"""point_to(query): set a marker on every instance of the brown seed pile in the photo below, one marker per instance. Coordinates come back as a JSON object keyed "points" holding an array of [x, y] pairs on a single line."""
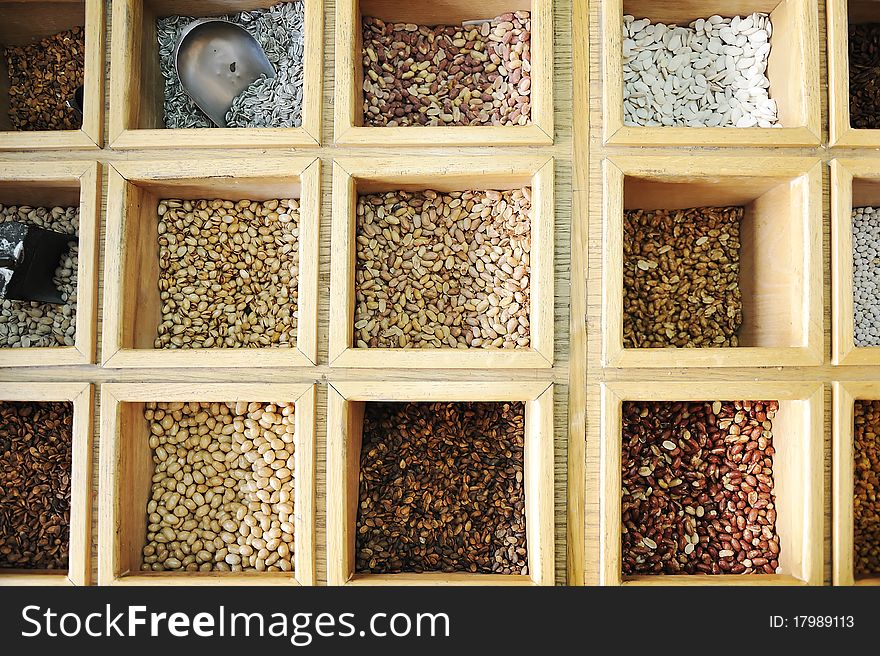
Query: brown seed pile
{"points": [[681, 277], [228, 273], [35, 469], [864, 75], [42, 78], [697, 493], [441, 489], [866, 488], [448, 74], [223, 488], [443, 269]]}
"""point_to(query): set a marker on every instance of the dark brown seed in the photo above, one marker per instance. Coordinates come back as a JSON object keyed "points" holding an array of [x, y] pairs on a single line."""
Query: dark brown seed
{"points": [[864, 75], [866, 486]]}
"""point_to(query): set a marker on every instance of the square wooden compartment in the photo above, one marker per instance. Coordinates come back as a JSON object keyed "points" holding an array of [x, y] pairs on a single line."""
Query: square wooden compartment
{"points": [[126, 470], [854, 183], [780, 255], [348, 118], [24, 22], [842, 14], [843, 435], [50, 184], [346, 402], [355, 176], [137, 87], [798, 437], [132, 306], [81, 396], [793, 71]]}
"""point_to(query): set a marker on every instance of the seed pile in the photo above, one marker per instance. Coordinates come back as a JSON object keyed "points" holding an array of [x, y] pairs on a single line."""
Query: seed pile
{"points": [[441, 489], [35, 470], [866, 275], [864, 76], [711, 73], [681, 277], [448, 74], [23, 323], [228, 273], [267, 103], [42, 78], [697, 493], [443, 269], [223, 489], [866, 488]]}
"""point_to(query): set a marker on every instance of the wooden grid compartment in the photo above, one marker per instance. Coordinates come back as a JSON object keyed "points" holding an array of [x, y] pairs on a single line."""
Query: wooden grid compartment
{"points": [[126, 470], [81, 396], [354, 176], [348, 118], [346, 403], [780, 261], [24, 22], [50, 184], [842, 453], [132, 304], [854, 183], [793, 72], [137, 88], [841, 14], [797, 465]]}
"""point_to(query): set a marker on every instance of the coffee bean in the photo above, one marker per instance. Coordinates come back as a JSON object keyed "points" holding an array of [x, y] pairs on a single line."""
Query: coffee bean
{"points": [[441, 489], [35, 472], [706, 506], [866, 485], [681, 277], [447, 74], [864, 76], [866, 275], [42, 78]]}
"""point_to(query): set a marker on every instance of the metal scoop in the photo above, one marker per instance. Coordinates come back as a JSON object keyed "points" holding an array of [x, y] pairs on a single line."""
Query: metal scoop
{"points": [[215, 61], [29, 257]]}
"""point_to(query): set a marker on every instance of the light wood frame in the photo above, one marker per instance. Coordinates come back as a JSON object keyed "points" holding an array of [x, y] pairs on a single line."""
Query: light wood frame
{"points": [[22, 22], [854, 183], [838, 13], [793, 72], [845, 394], [62, 183], [798, 437], [348, 112], [126, 469], [136, 86], [352, 176], [781, 262], [81, 396], [132, 307], [344, 425]]}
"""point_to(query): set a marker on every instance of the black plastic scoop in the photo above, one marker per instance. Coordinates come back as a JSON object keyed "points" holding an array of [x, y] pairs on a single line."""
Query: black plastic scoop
{"points": [[29, 257]]}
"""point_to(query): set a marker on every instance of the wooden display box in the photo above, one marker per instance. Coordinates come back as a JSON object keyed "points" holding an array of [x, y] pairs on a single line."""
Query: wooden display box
{"points": [[793, 71], [780, 255], [81, 396], [798, 437], [843, 433], [132, 305], [24, 22], [42, 184], [137, 86], [354, 176], [346, 403], [126, 470], [854, 183], [842, 14], [349, 110]]}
